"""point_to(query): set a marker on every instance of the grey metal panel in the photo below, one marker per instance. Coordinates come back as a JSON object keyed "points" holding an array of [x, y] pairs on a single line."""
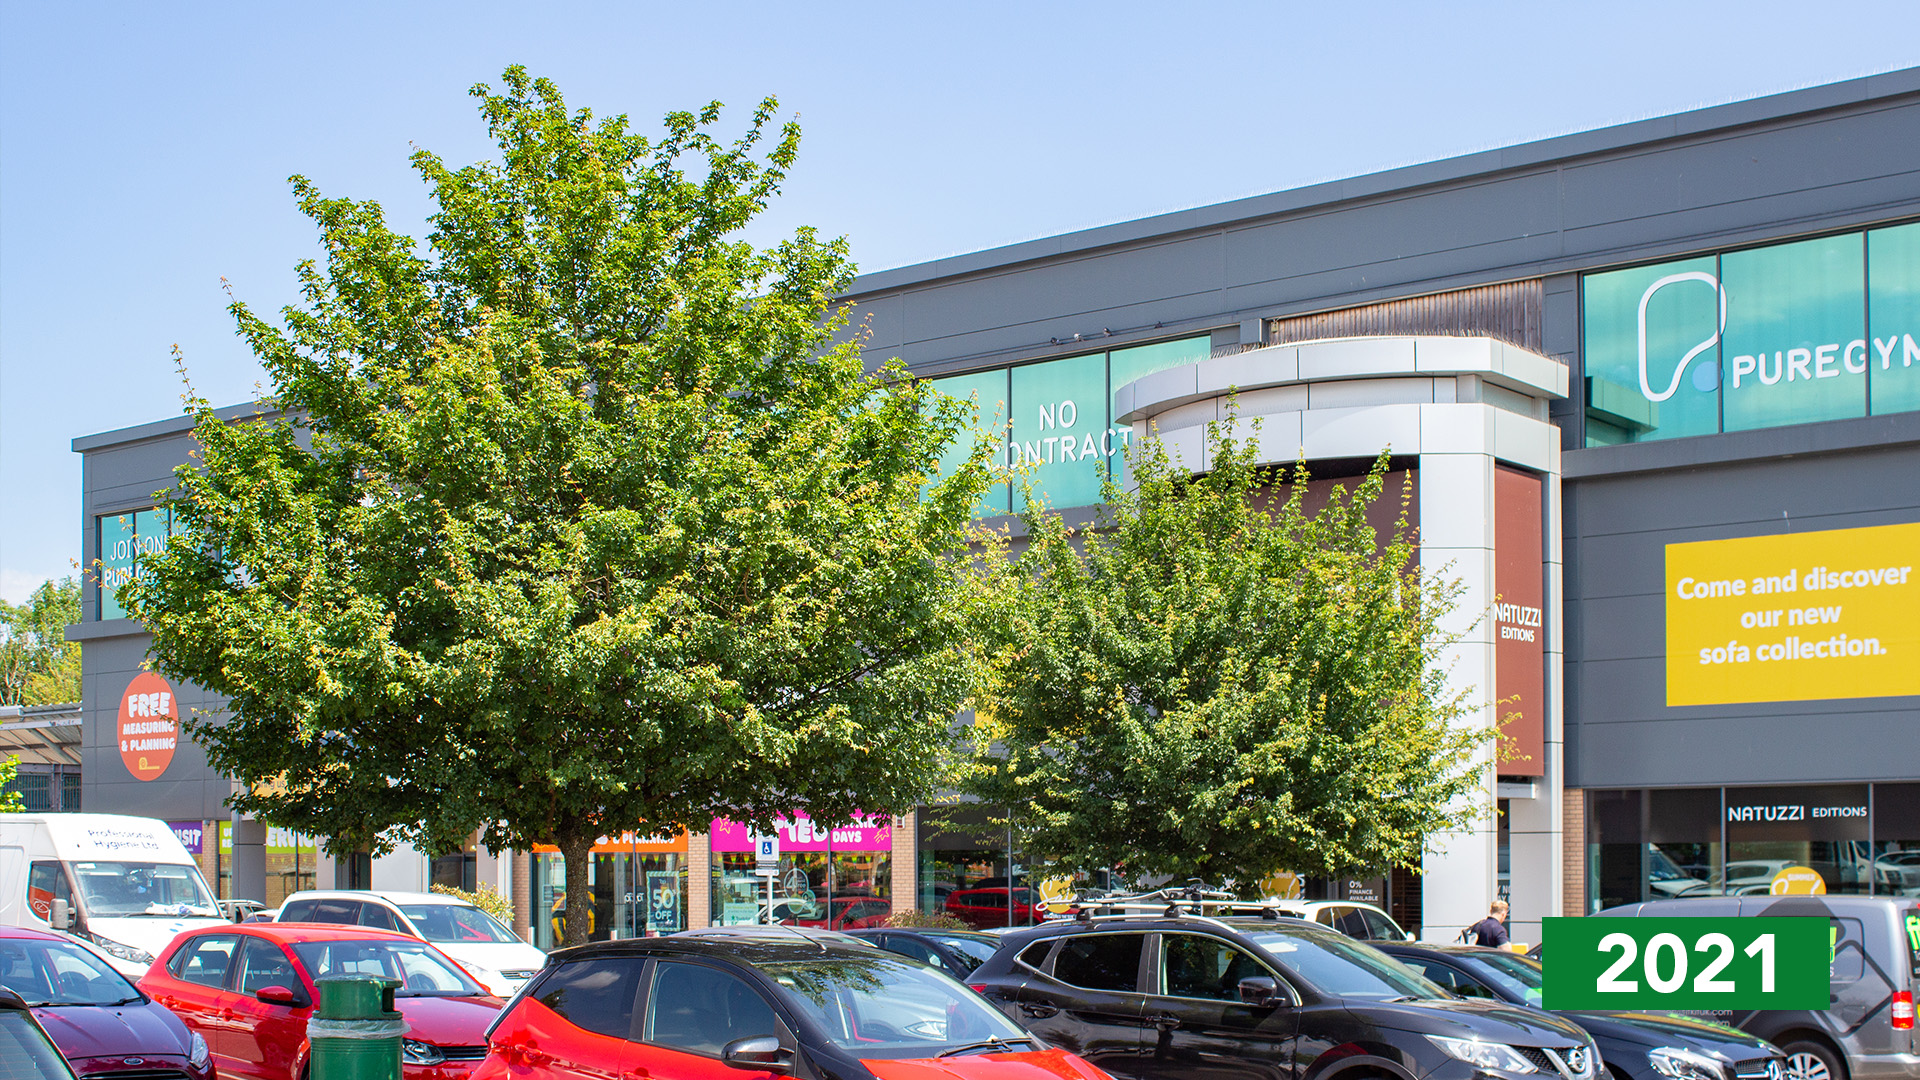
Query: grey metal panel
{"points": [[1620, 731], [188, 789], [1753, 171], [1777, 109]]}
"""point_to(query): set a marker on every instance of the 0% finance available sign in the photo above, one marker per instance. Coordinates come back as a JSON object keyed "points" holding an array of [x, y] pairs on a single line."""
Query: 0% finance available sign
{"points": [[1705, 964]]}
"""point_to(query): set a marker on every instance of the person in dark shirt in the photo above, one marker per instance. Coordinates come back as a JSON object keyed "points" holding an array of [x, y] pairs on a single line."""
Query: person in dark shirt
{"points": [[1491, 930]]}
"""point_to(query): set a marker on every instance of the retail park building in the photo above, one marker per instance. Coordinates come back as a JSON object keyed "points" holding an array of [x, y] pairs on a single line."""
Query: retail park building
{"points": [[1657, 387]]}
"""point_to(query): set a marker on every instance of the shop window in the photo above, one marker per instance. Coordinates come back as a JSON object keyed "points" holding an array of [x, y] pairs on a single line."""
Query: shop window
{"points": [[122, 539], [1792, 333], [454, 871], [1776, 834], [353, 870], [1896, 849], [631, 893], [986, 395]]}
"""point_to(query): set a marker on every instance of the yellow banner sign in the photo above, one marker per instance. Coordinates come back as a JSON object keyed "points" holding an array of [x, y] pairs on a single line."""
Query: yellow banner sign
{"points": [[1794, 618]]}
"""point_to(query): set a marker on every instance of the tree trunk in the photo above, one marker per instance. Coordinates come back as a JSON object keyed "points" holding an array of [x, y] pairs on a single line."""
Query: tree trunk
{"points": [[576, 849]]}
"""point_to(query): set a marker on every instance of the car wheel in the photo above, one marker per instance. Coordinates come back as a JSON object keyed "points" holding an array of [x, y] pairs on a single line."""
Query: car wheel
{"points": [[1812, 1061]]}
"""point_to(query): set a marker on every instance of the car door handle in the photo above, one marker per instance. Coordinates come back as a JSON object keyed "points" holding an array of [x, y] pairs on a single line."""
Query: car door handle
{"points": [[1036, 1009], [1166, 1021]]}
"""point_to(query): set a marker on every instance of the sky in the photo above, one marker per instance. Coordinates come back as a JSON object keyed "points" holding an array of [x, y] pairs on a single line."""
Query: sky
{"points": [[145, 149]]}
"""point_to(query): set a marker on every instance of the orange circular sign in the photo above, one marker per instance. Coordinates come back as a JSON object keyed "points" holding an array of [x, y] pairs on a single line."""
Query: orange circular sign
{"points": [[149, 726], [1798, 881]]}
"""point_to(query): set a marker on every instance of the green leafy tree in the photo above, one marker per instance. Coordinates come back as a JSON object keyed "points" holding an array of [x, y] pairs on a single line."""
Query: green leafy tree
{"points": [[584, 514], [1215, 682], [38, 665]]}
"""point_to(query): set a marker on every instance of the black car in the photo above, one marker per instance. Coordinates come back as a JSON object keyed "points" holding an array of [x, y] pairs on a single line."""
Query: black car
{"points": [[957, 952], [1187, 998], [25, 1049], [1635, 1046]]}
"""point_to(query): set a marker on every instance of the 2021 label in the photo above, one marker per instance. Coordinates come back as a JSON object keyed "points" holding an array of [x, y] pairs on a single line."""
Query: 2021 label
{"points": [[1705, 963]]}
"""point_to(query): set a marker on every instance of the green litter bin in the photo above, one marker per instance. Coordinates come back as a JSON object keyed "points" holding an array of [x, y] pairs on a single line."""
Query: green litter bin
{"points": [[355, 1032]]}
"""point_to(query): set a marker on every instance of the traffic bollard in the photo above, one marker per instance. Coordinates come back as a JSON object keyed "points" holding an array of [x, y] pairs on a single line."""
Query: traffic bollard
{"points": [[355, 1033]]}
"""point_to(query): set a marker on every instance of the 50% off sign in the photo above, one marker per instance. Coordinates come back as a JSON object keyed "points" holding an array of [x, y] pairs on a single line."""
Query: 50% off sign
{"points": [[1783, 962]]}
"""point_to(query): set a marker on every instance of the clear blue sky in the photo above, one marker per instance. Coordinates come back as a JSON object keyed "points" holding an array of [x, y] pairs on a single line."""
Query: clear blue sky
{"points": [[144, 148]]}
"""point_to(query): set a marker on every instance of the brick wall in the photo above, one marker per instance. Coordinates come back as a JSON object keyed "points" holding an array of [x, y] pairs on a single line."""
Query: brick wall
{"points": [[522, 895], [1573, 868], [699, 881], [906, 835]]}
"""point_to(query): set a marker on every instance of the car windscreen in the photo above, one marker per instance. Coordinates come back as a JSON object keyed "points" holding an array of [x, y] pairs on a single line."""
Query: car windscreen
{"points": [[46, 973], [418, 967], [972, 948], [25, 1051], [1517, 977], [456, 923], [1335, 964], [889, 1007], [120, 889]]}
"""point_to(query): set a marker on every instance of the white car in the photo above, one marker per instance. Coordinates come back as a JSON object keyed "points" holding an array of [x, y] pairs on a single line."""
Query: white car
{"points": [[487, 950], [1351, 917]]}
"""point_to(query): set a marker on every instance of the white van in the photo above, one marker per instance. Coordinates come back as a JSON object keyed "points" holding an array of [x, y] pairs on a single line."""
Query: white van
{"points": [[123, 884]]}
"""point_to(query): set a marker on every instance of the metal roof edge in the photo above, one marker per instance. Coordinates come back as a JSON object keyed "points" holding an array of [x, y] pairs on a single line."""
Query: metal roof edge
{"points": [[1532, 154], [173, 425]]}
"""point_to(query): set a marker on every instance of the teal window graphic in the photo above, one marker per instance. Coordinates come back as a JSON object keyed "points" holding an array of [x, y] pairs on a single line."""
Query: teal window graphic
{"points": [[1054, 419], [986, 395], [123, 539], [1792, 333]]}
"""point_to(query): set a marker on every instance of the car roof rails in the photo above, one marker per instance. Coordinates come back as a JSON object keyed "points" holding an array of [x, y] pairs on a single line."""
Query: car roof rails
{"points": [[1193, 900]]}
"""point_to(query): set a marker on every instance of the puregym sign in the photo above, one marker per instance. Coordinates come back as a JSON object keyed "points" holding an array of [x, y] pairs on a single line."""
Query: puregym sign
{"points": [[1795, 617], [1818, 329]]}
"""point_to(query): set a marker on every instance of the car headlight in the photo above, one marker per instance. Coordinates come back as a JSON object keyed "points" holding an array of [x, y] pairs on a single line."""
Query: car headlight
{"points": [[1486, 1055], [1685, 1064], [125, 952], [197, 1051], [414, 1052]]}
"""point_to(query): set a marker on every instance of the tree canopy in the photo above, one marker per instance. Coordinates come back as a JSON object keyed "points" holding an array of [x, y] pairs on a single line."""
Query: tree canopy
{"points": [[1221, 680], [38, 665], [584, 515]]}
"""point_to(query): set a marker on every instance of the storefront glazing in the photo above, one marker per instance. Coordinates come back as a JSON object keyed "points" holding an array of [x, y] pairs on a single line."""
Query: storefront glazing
{"points": [[839, 878], [1649, 844], [638, 887]]}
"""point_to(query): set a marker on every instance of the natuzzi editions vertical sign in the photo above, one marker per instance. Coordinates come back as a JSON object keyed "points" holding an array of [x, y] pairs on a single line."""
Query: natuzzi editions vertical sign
{"points": [[1794, 618]]}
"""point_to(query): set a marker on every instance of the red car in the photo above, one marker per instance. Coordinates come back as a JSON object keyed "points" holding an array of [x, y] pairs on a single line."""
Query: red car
{"points": [[982, 908], [757, 1007], [249, 989], [104, 1026], [848, 913]]}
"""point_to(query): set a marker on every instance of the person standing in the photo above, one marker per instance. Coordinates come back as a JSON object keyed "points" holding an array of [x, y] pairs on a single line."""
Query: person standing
{"points": [[1492, 930]]}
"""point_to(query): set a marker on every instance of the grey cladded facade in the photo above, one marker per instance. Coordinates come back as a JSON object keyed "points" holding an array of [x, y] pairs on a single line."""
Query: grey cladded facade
{"points": [[1525, 223]]}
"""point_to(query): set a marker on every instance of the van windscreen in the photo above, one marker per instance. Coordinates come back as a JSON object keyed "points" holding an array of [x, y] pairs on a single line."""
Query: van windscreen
{"points": [[122, 889]]}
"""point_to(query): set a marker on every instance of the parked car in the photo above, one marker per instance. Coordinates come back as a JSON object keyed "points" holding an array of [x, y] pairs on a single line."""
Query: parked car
{"points": [[778, 931], [1357, 920], [248, 989], [241, 910], [1868, 1032], [1634, 1045], [489, 951], [981, 908], [25, 1049], [957, 952], [691, 1005], [123, 884], [102, 1024], [1158, 998], [847, 913]]}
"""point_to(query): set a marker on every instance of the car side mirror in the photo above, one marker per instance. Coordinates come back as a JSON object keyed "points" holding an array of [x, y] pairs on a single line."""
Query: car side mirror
{"points": [[1408, 934], [762, 1052], [279, 995], [60, 915], [1261, 991]]}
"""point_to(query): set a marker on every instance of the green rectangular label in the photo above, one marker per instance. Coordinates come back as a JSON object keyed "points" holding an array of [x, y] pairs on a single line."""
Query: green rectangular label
{"points": [[1704, 964]]}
